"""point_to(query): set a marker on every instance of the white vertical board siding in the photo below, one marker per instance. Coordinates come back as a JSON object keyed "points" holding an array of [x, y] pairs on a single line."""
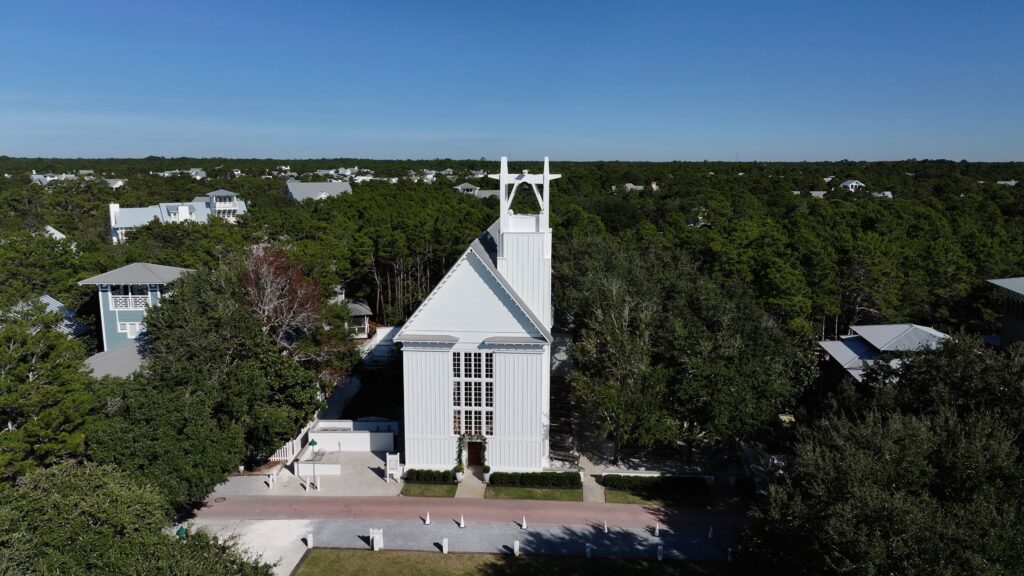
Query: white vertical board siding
{"points": [[429, 442], [520, 421], [525, 262]]}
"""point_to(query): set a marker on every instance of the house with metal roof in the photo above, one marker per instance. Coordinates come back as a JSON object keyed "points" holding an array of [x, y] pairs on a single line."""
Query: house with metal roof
{"points": [[67, 322], [300, 191], [221, 203], [477, 352], [1013, 310], [125, 294], [879, 342]]}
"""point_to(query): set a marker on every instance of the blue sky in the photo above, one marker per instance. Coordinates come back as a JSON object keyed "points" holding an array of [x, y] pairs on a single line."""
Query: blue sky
{"points": [[642, 80]]}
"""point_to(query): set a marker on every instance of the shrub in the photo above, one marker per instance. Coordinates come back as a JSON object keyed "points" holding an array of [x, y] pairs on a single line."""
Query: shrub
{"points": [[429, 476], [537, 479], [692, 489]]}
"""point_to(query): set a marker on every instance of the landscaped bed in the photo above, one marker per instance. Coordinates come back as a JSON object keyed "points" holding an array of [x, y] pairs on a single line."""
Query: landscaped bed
{"points": [[430, 490], [528, 493], [337, 562]]}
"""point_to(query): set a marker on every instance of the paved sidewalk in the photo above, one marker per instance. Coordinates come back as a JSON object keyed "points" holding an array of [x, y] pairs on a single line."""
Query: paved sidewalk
{"points": [[592, 491], [472, 485]]}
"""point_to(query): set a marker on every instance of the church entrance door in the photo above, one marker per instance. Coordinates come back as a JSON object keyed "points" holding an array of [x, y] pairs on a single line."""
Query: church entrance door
{"points": [[476, 450]]}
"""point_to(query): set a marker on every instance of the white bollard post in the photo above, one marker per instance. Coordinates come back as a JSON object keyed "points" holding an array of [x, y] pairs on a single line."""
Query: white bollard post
{"points": [[605, 526], [515, 548], [444, 546], [657, 529], [589, 548], [523, 525], [309, 540], [427, 520], [661, 552], [462, 521]]}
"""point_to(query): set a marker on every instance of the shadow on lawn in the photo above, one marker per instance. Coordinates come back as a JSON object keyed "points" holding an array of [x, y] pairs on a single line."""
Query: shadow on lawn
{"points": [[618, 553]]}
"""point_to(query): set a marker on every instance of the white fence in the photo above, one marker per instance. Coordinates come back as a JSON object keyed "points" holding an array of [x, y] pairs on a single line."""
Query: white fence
{"points": [[291, 448]]}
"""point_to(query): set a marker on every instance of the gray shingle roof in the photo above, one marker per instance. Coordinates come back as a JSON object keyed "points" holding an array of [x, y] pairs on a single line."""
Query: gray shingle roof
{"points": [[300, 191], [120, 362], [137, 273]]}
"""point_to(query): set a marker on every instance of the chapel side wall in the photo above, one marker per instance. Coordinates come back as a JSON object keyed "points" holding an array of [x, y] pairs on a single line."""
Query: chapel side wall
{"points": [[520, 422], [429, 443]]}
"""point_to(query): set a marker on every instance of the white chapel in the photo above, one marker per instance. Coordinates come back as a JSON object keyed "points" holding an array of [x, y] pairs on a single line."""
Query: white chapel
{"points": [[477, 352]]}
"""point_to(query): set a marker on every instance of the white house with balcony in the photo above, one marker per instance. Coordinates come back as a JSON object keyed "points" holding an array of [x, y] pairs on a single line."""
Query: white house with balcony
{"points": [[221, 203], [125, 294], [477, 353]]}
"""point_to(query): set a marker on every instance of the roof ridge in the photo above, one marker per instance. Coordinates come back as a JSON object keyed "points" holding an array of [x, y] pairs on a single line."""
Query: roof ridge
{"points": [[908, 328]]}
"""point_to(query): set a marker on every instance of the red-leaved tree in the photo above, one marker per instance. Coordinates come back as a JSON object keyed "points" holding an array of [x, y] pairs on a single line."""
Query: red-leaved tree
{"points": [[288, 303]]}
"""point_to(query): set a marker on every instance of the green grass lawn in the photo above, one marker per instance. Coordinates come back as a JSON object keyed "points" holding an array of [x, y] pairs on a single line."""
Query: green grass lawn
{"points": [[626, 497], [337, 562], [432, 490], [519, 493]]}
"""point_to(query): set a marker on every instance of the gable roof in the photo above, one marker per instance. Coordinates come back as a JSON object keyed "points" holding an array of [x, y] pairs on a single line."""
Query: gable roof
{"points": [[315, 190], [1014, 285], [859, 350], [484, 251], [137, 273], [899, 337]]}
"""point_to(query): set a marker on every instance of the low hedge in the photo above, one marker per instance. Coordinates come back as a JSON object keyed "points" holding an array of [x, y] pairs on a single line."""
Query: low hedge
{"points": [[692, 488], [429, 476], [537, 479]]}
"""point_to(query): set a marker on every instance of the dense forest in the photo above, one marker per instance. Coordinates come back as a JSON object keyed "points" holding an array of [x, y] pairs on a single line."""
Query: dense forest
{"points": [[694, 306]]}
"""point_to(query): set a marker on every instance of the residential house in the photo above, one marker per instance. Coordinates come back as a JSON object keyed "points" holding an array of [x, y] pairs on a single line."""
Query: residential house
{"points": [[630, 187], [86, 172], [300, 191], [220, 203], [873, 343], [1006, 182], [1013, 310], [477, 352], [467, 188], [45, 179], [887, 194], [114, 183], [852, 185], [124, 296]]}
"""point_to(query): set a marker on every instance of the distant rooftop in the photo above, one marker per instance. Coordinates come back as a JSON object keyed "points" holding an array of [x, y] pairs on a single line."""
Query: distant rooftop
{"points": [[316, 190]]}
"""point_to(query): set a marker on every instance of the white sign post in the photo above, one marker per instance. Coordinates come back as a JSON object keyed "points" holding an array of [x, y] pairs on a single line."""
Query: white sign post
{"points": [[394, 467]]}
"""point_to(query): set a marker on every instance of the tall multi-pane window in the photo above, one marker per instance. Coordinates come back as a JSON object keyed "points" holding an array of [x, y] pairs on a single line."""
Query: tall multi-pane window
{"points": [[473, 393]]}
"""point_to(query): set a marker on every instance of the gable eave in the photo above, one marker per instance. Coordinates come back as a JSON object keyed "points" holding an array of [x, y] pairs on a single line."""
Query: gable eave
{"points": [[479, 252]]}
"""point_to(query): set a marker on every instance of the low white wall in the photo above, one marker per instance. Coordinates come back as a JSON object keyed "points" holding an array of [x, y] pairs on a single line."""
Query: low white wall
{"points": [[353, 441], [310, 469], [360, 425]]}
